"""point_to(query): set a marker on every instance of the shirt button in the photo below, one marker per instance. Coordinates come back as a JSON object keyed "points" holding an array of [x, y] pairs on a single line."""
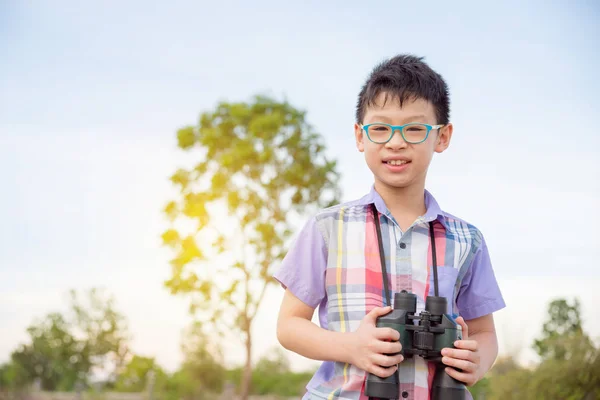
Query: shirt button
{"points": [[404, 394], [402, 245]]}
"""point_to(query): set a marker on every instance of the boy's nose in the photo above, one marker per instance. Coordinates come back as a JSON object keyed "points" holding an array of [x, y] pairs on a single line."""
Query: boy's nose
{"points": [[397, 141]]}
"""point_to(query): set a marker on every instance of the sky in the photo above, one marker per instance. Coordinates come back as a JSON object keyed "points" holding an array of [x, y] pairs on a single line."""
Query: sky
{"points": [[92, 95]]}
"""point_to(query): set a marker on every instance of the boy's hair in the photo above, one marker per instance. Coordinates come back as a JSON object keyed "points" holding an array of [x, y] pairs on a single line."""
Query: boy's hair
{"points": [[405, 77]]}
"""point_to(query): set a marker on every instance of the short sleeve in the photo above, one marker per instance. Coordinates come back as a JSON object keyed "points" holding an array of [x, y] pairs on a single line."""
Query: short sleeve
{"points": [[479, 292], [302, 270]]}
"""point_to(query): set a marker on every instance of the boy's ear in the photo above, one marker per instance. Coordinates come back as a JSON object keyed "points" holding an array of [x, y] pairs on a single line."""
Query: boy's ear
{"points": [[443, 138], [360, 137]]}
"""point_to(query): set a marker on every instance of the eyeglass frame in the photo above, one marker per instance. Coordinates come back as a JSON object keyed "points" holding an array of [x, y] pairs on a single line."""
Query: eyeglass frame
{"points": [[400, 128]]}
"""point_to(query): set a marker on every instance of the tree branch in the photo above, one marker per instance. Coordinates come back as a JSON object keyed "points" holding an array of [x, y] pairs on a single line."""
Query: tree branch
{"points": [[246, 280], [257, 303]]}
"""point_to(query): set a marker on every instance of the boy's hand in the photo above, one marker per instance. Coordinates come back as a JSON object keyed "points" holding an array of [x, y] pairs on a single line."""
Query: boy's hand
{"points": [[369, 346], [465, 358]]}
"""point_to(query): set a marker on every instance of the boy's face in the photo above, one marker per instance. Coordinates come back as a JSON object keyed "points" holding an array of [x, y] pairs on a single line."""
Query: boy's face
{"points": [[416, 156]]}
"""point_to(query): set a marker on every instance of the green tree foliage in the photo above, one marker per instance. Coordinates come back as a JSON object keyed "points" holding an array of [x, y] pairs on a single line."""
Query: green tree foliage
{"points": [[136, 375], [261, 164], [272, 376], [13, 377], [274, 362], [54, 355], [575, 377], [563, 323], [203, 362], [480, 389], [182, 386], [569, 367], [200, 377], [103, 328], [507, 380], [63, 350]]}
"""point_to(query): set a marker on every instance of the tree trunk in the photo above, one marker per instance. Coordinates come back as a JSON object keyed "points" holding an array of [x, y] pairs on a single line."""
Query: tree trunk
{"points": [[247, 375]]}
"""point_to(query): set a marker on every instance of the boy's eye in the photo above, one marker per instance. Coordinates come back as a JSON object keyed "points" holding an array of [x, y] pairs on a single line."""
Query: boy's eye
{"points": [[380, 128], [415, 128]]}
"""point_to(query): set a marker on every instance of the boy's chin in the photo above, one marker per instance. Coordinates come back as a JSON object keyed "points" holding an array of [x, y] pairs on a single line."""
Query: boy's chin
{"points": [[396, 184]]}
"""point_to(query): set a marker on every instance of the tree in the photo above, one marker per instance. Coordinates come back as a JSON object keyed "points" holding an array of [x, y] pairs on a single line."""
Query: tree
{"points": [[103, 328], [272, 374], [575, 377], [570, 365], [54, 355], [506, 380], [274, 362], [136, 374], [260, 165], [563, 323], [203, 361], [13, 377], [513, 384], [63, 350]]}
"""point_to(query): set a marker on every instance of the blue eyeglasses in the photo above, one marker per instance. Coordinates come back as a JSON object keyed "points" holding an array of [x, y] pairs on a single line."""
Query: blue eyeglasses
{"points": [[413, 133]]}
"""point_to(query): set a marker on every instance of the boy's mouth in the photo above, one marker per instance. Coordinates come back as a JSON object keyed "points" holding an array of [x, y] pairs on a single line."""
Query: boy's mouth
{"points": [[396, 162]]}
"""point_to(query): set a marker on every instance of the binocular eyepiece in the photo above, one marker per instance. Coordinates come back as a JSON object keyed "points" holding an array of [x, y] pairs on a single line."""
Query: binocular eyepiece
{"points": [[435, 330]]}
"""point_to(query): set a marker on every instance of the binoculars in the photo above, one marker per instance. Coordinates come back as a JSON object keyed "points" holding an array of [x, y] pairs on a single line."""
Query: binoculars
{"points": [[435, 330]]}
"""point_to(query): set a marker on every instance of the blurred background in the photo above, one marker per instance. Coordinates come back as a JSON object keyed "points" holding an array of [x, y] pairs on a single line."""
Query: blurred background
{"points": [[102, 110]]}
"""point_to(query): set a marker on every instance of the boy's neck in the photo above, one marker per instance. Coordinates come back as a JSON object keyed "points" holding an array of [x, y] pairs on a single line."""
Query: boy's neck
{"points": [[405, 204]]}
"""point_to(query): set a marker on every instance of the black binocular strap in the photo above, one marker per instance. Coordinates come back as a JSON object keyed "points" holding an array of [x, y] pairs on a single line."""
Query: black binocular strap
{"points": [[433, 259], [382, 257]]}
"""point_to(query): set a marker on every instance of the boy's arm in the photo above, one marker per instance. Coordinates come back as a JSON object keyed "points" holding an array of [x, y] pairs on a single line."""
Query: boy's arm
{"points": [[483, 331], [365, 348], [297, 333]]}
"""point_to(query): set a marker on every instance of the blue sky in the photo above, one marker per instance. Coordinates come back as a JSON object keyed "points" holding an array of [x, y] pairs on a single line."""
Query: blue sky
{"points": [[91, 96]]}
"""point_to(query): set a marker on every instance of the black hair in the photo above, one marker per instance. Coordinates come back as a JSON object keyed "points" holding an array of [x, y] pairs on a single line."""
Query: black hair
{"points": [[405, 77]]}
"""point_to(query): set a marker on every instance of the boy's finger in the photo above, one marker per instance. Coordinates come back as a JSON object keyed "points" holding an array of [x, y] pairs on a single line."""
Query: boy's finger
{"points": [[377, 312], [460, 376], [458, 354], [387, 347], [382, 372], [387, 361], [387, 334], [463, 365], [466, 344], [464, 326]]}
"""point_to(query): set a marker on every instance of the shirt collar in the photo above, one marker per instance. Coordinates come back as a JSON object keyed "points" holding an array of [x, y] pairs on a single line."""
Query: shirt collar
{"points": [[433, 208]]}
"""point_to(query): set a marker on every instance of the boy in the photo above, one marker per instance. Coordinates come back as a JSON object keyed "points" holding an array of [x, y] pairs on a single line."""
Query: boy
{"points": [[402, 118]]}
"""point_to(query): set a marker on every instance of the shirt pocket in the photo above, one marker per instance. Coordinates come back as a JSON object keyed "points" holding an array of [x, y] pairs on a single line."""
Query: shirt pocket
{"points": [[447, 277]]}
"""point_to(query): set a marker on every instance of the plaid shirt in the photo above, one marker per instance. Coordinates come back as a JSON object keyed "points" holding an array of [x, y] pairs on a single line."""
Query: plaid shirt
{"points": [[334, 264]]}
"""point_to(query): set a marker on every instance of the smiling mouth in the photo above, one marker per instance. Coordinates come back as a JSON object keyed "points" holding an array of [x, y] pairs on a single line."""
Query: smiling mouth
{"points": [[396, 162]]}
